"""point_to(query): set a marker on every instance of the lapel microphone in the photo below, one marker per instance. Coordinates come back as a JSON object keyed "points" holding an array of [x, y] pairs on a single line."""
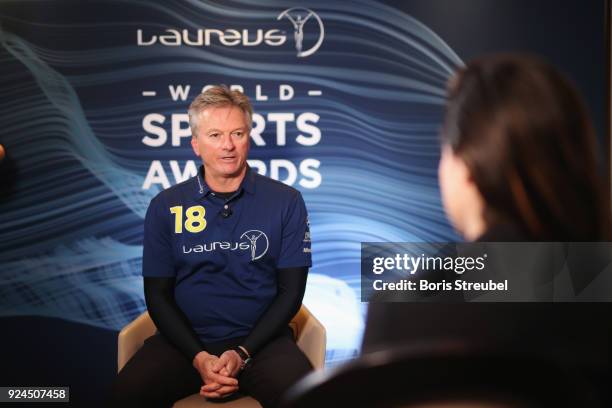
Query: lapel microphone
{"points": [[227, 211]]}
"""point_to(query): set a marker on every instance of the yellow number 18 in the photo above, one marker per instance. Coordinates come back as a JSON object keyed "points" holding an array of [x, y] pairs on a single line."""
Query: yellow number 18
{"points": [[195, 221]]}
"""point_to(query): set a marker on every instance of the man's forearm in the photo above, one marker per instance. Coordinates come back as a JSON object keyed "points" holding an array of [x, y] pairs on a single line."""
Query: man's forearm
{"points": [[169, 318]]}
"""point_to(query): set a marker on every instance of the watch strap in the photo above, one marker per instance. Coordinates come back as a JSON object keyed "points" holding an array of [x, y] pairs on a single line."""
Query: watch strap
{"points": [[246, 359]]}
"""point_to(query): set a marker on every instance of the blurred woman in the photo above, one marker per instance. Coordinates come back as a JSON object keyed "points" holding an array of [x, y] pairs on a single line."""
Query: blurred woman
{"points": [[519, 163], [519, 155]]}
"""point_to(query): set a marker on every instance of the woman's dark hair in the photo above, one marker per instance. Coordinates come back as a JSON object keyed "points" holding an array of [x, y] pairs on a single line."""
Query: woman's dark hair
{"points": [[525, 135]]}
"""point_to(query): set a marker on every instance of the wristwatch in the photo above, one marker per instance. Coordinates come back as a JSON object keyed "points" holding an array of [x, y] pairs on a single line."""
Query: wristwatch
{"points": [[246, 359]]}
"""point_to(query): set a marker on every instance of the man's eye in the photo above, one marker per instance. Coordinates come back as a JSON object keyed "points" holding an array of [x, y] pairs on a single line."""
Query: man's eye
{"points": [[213, 135], [238, 134]]}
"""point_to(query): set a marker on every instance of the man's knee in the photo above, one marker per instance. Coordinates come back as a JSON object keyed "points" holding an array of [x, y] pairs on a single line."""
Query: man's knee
{"points": [[142, 389], [268, 380], [156, 376], [132, 390]]}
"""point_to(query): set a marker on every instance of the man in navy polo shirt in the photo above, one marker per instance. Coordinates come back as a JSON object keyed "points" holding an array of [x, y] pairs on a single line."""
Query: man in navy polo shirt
{"points": [[225, 260]]}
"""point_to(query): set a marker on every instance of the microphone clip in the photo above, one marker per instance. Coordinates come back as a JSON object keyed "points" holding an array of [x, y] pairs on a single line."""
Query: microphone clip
{"points": [[227, 211]]}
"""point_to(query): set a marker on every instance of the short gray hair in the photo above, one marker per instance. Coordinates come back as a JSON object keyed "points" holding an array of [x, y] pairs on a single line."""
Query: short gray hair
{"points": [[217, 96]]}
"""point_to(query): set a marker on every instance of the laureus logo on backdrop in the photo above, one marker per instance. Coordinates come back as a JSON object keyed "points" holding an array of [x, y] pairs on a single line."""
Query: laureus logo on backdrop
{"points": [[298, 17], [231, 37]]}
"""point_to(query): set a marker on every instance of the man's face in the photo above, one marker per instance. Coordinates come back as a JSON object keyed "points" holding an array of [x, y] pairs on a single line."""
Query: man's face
{"points": [[222, 141]]}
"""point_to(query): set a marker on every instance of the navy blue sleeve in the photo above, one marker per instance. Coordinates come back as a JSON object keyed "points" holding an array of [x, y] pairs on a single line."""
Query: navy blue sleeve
{"points": [[157, 251], [295, 246]]}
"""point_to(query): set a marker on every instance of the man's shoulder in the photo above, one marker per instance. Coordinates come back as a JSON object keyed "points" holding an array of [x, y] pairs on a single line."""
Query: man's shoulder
{"points": [[275, 188], [173, 193]]}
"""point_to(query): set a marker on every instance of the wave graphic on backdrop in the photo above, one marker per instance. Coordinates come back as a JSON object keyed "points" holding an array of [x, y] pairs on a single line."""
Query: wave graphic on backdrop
{"points": [[59, 159], [73, 111]]}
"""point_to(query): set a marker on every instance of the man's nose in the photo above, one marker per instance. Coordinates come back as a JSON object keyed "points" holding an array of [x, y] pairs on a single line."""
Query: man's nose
{"points": [[228, 143]]}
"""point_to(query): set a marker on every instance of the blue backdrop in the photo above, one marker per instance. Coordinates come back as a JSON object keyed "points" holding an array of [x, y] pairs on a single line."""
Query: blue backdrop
{"points": [[349, 98]]}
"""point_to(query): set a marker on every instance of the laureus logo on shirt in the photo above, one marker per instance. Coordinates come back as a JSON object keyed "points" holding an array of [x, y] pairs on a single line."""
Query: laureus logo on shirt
{"points": [[254, 241], [255, 236]]}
